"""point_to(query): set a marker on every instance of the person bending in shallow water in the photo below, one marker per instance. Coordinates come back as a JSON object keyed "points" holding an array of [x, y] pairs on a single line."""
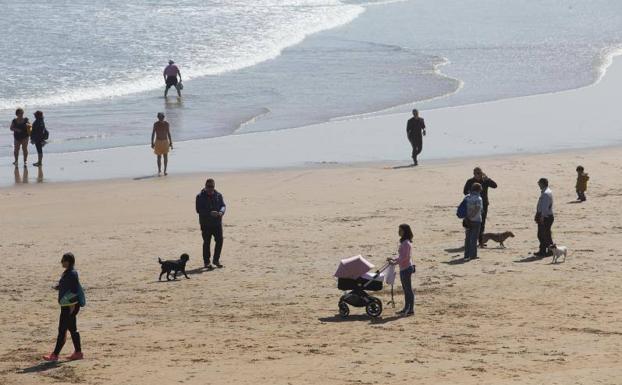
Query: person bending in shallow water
{"points": [[171, 72], [161, 141]]}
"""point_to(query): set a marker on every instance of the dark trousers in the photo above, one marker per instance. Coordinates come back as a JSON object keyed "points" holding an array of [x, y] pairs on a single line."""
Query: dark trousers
{"points": [[544, 234], [39, 147], [470, 240], [581, 196], [208, 231], [66, 322], [409, 294], [417, 144], [483, 225]]}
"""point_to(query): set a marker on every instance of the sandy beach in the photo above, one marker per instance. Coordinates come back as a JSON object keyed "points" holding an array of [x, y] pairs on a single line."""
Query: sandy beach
{"points": [[270, 316]]}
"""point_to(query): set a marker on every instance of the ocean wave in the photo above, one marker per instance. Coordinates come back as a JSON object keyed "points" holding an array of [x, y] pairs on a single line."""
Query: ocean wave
{"points": [[242, 35]]}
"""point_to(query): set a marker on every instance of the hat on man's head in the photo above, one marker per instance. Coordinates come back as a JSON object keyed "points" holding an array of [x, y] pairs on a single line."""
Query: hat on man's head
{"points": [[171, 62]]}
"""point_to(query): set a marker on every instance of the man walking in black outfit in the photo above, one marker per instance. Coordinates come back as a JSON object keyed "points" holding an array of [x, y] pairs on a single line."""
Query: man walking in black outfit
{"points": [[211, 208], [486, 182], [415, 130]]}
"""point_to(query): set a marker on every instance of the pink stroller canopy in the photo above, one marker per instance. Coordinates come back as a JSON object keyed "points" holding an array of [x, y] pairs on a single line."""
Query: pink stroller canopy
{"points": [[353, 267]]}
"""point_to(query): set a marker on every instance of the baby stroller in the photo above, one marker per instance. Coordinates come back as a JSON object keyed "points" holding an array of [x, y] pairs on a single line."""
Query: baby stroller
{"points": [[353, 276]]}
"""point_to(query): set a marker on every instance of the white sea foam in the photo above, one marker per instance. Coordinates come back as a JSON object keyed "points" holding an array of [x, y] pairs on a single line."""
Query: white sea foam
{"points": [[123, 50]]}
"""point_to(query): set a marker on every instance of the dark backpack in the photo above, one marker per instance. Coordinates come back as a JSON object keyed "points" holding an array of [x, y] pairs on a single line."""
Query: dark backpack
{"points": [[462, 209]]}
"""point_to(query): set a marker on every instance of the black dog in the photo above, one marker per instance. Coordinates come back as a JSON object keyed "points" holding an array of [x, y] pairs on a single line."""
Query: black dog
{"points": [[174, 266]]}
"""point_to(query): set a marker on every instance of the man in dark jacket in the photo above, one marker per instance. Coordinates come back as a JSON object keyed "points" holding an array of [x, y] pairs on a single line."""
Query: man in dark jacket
{"points": [[415, 130], [486, 182], [211, 208]]}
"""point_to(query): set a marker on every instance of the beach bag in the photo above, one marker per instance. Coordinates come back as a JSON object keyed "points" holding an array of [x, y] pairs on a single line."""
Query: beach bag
{"points": [[68, 299], [46, 134], [81, 296], [461, 212]]}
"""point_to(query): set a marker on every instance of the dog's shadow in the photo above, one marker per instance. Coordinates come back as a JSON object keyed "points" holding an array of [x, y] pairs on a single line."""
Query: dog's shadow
{"points": [[531, 258], [574, 202], [41, 367]]}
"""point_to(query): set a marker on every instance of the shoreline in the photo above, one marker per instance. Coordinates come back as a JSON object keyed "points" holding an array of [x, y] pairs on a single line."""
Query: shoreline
{"points": [[525, 125]]}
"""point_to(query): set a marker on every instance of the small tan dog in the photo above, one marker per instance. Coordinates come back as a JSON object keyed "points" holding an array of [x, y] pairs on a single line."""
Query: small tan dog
{"points": [[497, 237], [558, 251]]}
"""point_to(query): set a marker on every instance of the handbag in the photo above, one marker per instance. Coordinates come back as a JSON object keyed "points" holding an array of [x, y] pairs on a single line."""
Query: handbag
{"points": [[81, 296]]}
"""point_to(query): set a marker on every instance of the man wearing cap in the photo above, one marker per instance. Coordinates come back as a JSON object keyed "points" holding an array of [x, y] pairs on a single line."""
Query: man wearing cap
{"points": [[170, 78], [415, 130]]}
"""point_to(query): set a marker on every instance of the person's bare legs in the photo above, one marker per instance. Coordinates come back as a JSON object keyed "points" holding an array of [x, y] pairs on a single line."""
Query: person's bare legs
{"points": [[25, 151], [178, 91], [16, 152], [159, 164], [165, 163]]}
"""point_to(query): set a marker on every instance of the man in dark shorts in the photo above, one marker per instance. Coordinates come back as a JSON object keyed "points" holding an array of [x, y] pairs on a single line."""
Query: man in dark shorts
{"points": [[486, 183], [415, 130], [171, 72], [211, 208]]}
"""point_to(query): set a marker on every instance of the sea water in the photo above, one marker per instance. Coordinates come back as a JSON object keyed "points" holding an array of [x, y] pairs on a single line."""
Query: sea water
{"points": [[95, 67]]}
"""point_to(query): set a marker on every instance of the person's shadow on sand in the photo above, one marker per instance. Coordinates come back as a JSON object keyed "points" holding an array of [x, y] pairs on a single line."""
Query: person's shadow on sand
{"points": [[198, 270], [459, 261], [403, 166], [455, 250], [41, 367]]}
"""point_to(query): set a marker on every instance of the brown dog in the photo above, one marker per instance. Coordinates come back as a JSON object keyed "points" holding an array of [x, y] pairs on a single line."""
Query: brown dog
{"points": [[497, 237]]}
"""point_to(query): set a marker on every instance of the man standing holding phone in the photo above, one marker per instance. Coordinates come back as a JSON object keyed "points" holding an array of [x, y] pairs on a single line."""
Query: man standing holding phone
{"points": [[480, 177], [210, 206]]}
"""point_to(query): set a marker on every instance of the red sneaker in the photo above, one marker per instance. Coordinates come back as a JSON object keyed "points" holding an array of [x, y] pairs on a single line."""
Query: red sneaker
{"points": [[75, 356], [51, 357]]}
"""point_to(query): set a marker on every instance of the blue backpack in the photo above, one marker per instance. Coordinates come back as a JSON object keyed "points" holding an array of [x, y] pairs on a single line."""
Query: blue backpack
{"points": [[462, 209]]}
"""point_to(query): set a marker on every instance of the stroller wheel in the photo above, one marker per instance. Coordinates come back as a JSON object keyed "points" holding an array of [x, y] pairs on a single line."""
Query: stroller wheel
{"points": [[344, 310], [374, 308]]}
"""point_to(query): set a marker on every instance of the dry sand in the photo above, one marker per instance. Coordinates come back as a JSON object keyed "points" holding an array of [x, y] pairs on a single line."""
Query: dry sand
{"points": [[269, 317]]}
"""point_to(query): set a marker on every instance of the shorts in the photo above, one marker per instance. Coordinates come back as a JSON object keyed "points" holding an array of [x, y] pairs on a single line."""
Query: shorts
{"points": [[161, 147], [171, 81], [20, 142]]}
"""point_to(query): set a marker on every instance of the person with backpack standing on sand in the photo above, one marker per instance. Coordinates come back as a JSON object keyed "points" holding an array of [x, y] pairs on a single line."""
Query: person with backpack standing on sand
{"points": [[472, 221], [70, 299]]}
